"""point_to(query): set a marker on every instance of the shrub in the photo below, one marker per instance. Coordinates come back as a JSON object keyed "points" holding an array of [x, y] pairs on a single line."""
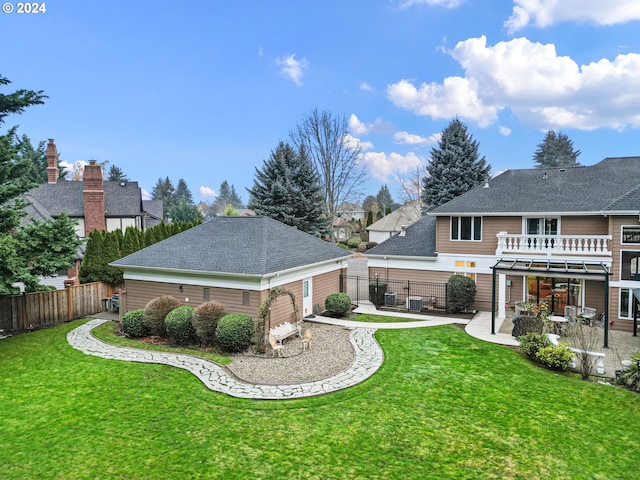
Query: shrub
{"points": [[362, 247], [556, 357], [337, 304], [461, 291], [234, 332], [133, 324], [354, 241], [156, 311], [342, 245], [178, 325], [205, 321], [630, 375], [376, 293], [530, 343]]}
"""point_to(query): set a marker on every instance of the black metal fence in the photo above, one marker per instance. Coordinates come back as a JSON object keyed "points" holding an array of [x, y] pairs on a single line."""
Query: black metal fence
{"points": [[401, 295]]}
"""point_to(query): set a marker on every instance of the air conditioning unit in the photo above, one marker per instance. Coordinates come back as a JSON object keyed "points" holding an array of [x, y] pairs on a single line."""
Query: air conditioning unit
{"points": [[390, 299], [414, 303]]}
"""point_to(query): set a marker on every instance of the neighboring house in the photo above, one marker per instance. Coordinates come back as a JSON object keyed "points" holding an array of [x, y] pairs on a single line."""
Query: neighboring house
{"points": [[92, 202], [153, 212], [350, 212], [563, 237], [236, 261], [395, 222]]}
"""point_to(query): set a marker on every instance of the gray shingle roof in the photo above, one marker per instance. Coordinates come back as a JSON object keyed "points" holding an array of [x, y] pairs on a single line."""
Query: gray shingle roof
{"points": [[119, 200], [405, 215], [608, 186], [418, 241], [236, 245]]}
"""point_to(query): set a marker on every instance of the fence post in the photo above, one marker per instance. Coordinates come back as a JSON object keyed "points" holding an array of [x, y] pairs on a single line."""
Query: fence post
{"points": [[69, 303]]}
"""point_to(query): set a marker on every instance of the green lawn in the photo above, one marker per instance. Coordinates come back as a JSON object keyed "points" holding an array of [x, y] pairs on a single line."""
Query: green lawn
{"points": [[443, 405]]}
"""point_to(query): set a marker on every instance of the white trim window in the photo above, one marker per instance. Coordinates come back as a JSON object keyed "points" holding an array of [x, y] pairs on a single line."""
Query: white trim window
{"points": [[466, 228], [630, 265], [466, 268], [630, 235], [625, 304]]}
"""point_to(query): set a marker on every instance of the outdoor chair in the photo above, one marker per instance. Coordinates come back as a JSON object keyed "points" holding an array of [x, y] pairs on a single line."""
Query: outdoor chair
{"points": [[570, 313], [275, 346], [306, 340], [587, 314], [115, 301]]}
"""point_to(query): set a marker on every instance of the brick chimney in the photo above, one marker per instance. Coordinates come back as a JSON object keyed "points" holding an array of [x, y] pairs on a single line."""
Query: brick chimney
{"points": [[52, 162], [93, 198]]}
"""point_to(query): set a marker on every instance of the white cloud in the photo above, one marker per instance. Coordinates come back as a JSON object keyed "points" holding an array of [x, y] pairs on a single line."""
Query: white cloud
{"points": [[366, 87], [67, 168], [504, 131], [353, 143], [359, 128], [382, 166], [145, 194], [543, 13], [292, 68], [207, 192], [412, 139], [543, 89], [431, 3]]}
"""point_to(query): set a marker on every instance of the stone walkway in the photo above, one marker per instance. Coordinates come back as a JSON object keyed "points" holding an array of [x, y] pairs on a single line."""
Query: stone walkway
{"points": [[368, 358]]}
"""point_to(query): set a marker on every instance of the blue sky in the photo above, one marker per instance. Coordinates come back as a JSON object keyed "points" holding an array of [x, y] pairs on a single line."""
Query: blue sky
{"points": [[204, 90]]}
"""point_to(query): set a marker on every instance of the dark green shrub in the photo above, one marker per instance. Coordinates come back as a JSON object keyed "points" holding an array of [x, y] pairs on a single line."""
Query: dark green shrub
{"points": [[555, 357], [354, 241], [234, 332], [133, 324], [342, 245], [205, 321], [178, 325], [337, 304], [376, 293], [461, 291], [530, 343], [156, 311], [630, 375]]}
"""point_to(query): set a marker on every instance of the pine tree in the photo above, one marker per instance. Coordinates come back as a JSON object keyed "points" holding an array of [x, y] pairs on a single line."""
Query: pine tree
{"points": [[110, 253], [287, 189], [454, 167], [183, 192], [116, 175], [89, 269], [163, 190], [234, 198], [556, 151]]}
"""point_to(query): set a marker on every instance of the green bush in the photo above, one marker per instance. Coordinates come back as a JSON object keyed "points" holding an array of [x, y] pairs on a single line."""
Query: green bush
{"points": [[630, 376], [205, 321], [156, 311], [556, 357], [337, 304], [133, 324], [234, 332], [461, 291], [530, 343], [178, 325], [354, 241]]}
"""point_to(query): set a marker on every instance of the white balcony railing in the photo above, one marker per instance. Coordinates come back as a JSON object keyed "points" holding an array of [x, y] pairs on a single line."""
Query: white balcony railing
{"points": [[549, 245]]}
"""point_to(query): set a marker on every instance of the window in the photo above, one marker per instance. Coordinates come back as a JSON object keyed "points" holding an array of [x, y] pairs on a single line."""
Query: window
{"points": [[631, 234], [245, 298], [466, 265], [541, 226], [625, 307], [466, 228], [630, 265]]}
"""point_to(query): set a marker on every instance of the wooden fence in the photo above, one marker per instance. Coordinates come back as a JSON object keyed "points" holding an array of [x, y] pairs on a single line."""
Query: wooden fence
{"points": [[31, 311]]}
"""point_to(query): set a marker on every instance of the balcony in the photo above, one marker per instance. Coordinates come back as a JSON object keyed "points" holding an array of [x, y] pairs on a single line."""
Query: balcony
{"points": [[553, 245]]}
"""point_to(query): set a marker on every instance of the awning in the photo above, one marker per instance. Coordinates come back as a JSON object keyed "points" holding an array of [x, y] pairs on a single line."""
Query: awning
{"points": [[552, 268]]}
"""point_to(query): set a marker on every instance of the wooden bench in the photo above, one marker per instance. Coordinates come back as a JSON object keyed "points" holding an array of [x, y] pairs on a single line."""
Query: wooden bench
{"points": [[599, 355], [285, 330]]}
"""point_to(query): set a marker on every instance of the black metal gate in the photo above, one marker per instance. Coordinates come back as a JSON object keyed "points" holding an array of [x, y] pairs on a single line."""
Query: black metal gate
{"points": [[400, 295]]}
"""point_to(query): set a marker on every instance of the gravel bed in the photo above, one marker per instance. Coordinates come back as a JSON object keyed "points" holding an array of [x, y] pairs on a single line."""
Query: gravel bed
{"points": [[331, 353]]}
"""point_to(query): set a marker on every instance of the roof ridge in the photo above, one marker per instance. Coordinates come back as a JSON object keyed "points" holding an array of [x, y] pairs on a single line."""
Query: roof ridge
{"points": [[625, 194]]}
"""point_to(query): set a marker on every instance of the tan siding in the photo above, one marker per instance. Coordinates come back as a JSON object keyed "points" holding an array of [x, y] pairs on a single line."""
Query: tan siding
{"points": [[323, 285], [412, 275], [616, 224], [584, 225], [282, 309], [490, 227], [139, 293]]}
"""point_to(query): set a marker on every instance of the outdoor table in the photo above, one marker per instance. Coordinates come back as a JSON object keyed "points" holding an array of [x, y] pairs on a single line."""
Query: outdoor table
{"points": [[558, 323]]}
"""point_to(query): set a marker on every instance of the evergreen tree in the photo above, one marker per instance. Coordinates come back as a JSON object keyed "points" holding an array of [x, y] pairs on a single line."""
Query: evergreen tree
{"points": [[184, 212], [47, 248], [36, 159], [227, 195], [163, 190], [454, 167], [234, 198], [116, 175], [556, 151], [183, 192], [288, 189], [131, 241], [369, 217], [110, 253], [89, 269]]}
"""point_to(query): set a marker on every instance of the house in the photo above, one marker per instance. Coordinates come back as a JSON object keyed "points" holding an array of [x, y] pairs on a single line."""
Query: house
{"points": [[236, 261], [350, 212], [92, 202], [562, 237], [395, 222]]}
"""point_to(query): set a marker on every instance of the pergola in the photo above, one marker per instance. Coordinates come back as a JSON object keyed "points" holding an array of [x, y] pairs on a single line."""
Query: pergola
{"points": [[555, 269]]}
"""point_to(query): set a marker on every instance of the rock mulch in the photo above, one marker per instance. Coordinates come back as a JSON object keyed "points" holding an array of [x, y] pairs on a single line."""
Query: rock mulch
{"points": [[330, 353]]}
